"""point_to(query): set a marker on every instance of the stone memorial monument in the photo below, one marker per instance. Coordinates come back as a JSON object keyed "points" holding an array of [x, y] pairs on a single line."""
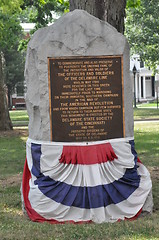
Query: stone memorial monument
{"points": [[81, 162]]}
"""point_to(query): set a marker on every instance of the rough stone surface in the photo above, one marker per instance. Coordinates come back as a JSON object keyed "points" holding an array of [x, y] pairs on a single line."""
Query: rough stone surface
{"points": [[77, 33]]}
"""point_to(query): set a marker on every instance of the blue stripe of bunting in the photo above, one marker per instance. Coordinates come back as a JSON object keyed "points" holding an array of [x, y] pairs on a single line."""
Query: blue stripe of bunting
{"points": [[132, 143], [84, 197]]}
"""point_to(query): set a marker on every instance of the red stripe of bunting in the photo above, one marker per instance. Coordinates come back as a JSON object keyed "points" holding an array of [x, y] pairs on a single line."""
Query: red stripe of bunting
{"points": [[86, 155]]}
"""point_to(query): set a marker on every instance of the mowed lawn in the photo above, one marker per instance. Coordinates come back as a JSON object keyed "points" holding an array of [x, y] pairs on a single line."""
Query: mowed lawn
{"points": [[14, 225], [19, 117], [146, 114]]}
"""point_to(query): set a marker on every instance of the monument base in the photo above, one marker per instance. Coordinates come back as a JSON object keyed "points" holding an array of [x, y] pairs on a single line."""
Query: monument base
{"points": [[84, 182]]}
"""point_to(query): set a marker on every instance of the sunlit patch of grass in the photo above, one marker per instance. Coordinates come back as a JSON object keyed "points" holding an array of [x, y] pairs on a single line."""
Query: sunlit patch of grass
{"points": [[24, 139], [142, 114], [12, 211], [147, 142], [147, 105], [19, 117]]}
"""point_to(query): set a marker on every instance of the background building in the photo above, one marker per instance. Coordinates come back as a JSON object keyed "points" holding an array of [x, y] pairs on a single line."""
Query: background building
{"points": [[146, 85]]}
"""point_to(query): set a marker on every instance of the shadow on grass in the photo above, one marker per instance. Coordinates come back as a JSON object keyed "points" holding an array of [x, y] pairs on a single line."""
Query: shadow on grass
{"points": [[13, 152], [147, 143]]}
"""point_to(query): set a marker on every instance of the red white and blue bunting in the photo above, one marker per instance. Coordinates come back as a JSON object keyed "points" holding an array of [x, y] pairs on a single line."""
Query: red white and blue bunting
{"points": [[99, 182]]}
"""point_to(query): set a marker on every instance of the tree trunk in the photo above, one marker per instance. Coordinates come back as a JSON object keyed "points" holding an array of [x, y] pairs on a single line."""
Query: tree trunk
{"points": [[111, 11], [9, 96], [5, 122]]}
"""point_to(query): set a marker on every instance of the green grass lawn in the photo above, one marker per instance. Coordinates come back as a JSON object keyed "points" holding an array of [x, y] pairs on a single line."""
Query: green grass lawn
{"points": [[147, 142], [148, 105], [19, 117], [146, 113], [147, 147], [12, 155], [14, 226]]}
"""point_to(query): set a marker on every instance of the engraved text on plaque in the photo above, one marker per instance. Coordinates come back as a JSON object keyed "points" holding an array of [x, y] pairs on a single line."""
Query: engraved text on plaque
{"points": [[86, 98]]}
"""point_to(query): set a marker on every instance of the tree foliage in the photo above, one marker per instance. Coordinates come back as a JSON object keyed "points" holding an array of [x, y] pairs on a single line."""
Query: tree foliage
{"points": [[42, 11], [133, 3], [10, 6], [10, 35], [10, 58], [10, 30], [142, 31]]}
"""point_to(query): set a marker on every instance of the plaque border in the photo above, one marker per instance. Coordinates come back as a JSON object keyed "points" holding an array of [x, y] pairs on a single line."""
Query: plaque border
{"points": [[123, 94], [49, 86], [81, 57]]}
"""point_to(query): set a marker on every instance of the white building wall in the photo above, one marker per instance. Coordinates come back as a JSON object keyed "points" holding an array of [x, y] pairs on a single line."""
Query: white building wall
{"points": [[146, 87]]}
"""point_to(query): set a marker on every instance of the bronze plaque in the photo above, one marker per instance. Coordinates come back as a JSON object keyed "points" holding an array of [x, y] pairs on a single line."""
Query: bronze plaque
{"points": [[86, 98]]}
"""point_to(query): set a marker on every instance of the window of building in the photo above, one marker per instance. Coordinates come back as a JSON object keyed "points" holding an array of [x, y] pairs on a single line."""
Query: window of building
{"points": [[142, 92], [141, 64], [148, 78]]}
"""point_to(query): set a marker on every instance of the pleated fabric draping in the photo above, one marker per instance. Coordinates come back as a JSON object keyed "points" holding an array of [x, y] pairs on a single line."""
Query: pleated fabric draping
{"points": [[99, 182]]}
